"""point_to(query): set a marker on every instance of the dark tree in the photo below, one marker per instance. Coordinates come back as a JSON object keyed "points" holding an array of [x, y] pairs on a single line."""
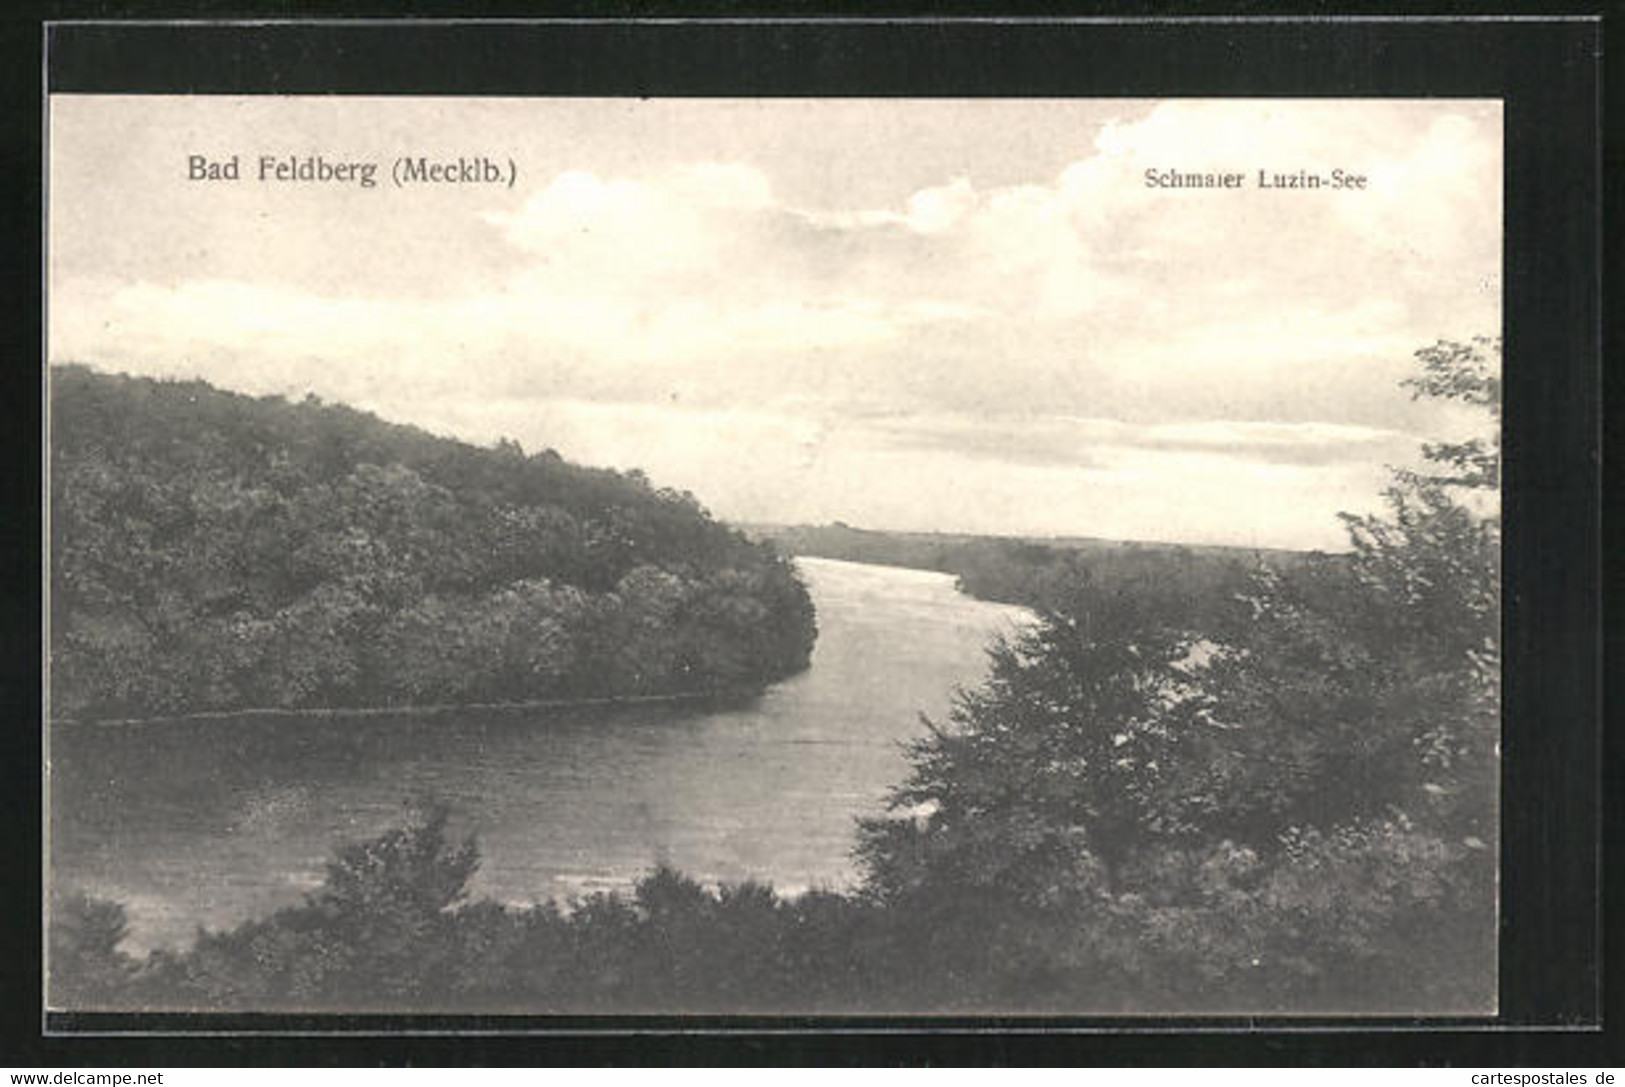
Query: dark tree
{"points": [[212, 552]]}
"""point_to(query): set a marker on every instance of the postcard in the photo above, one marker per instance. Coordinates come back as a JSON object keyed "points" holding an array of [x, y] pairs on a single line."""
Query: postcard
{"points": [[774, 556]]}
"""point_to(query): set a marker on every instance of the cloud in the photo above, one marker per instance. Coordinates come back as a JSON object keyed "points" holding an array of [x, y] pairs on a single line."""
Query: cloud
{"points": [[1063, 325], [1042, 442], [679, 222], [1102, 444], [1085, 287], [1299, 444]]}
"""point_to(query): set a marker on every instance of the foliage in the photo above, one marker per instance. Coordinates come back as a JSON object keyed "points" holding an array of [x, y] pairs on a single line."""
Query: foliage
{"points": [[87, 967], [1285, 804], [210, 551], [392, 928], [1208, 929], [1292, 799]]}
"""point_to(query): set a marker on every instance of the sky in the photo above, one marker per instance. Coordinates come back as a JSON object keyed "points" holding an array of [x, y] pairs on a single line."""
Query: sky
{"points": [[955, 315]]}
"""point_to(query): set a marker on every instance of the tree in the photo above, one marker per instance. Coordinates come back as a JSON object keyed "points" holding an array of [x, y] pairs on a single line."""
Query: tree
{"points": [[1048, 774], [88, 970], [383, 931], [1287, 794], [214, 552]]}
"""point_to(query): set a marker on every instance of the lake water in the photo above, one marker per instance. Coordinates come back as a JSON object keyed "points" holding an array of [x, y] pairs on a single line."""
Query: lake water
{"points": [[212, 822]]}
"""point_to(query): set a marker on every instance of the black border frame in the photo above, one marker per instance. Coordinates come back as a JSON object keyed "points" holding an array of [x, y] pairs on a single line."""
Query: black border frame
{"points": [[1547, 71]]}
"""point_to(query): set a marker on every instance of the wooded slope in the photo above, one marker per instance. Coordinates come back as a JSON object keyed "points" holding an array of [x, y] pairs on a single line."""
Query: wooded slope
{"points": [[214, 551]]}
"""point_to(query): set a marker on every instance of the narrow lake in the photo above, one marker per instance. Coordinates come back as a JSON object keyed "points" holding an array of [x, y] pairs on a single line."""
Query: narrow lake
{"points": [[212, 822]]}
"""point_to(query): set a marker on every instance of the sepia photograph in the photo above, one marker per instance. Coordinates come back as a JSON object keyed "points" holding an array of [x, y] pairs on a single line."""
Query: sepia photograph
{"points": [[773, 556]]}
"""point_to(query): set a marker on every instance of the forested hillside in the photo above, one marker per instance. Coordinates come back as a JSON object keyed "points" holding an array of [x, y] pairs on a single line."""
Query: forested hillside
{"points": [[212, 551]]}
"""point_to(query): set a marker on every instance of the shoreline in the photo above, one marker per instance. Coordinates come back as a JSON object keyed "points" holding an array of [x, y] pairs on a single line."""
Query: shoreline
{"points": [[425, 710]]}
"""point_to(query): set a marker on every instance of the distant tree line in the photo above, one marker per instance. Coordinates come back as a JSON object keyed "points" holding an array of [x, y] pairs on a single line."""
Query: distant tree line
{"points": [[1038, 572], [1285, 804], [211, 551]]}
